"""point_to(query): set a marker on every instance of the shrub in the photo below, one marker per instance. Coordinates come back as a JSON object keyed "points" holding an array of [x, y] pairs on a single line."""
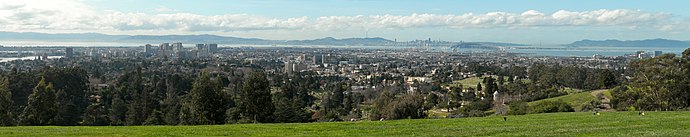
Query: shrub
{"points": [[390, 107], [475, 109], [551, 106], [590, 106], [518, 108]]}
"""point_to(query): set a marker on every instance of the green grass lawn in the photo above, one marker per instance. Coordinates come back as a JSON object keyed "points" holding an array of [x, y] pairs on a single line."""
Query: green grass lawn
{"points": [[469, 82], [550, 124], [472, 81], [575, 100]]}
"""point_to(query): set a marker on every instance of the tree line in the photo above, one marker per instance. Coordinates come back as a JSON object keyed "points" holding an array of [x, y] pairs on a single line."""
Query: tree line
{"points": [[64, 96], [659, 83]]}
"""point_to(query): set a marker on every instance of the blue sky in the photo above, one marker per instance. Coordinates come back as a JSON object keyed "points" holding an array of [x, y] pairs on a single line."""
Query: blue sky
{"points": [[315, 8], [529, 22]]}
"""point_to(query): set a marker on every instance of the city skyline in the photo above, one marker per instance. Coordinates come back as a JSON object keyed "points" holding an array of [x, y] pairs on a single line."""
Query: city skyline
{"points": [[500, 21]]}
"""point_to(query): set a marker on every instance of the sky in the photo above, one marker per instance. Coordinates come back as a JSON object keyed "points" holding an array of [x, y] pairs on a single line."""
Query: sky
{"points": [[526, 21]]}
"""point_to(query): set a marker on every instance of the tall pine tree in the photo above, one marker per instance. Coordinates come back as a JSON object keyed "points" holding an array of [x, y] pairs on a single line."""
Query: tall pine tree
{"points": [[254, 101], [171, 106], [288, 106], [117, 111], [204, 104], [40, 109], [6, 104]]}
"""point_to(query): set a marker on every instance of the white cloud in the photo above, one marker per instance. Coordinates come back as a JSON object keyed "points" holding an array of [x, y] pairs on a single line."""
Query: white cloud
{"points": [[73, 15]]}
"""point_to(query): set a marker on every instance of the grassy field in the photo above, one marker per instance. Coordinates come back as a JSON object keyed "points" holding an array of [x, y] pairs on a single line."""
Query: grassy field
{"points": [[578, 99], [469, 82], [552, 124]]}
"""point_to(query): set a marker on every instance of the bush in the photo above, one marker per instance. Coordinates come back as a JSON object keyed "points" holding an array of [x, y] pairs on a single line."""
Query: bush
{"points": [[590, 106], [408, 106], [389, 107], [551, 106], [518, 108], [475, 109]]}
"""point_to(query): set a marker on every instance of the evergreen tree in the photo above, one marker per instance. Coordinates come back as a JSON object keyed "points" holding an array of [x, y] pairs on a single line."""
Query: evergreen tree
{"points": [[21, 84], [254, 101], [479, 86], [136, 113], [288, 106], [71, 86], [155, 118], [96, 115], [171, 107], [337, 97], [40, 109], [6, 104], [118, 109], [205, 104]]}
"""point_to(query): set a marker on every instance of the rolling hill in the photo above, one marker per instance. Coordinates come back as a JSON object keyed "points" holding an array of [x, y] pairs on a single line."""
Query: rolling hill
{"points": [[630, 43]]}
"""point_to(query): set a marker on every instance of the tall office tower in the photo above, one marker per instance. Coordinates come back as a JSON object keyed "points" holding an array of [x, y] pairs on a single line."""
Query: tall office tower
{"points": [[200, 47], [324, 60], [164, 50], [164, 46], [148, 51], [69, 52], [657, 53], [317, 59], [177, 46], [212, 48], [288, 67]]}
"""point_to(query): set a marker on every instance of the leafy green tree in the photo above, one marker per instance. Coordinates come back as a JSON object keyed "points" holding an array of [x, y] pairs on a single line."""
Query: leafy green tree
{"points": [[6, 104], [501, 80], [41, 108], [606, 79], [658, 83], [431, 101], [455, 98], [407, 106], [379, 105], [254, 101]]}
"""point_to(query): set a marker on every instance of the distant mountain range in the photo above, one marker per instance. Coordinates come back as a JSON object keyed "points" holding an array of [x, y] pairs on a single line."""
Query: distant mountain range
{"points": [[630, 43], [376, 41], [60, 37], [153, 39]]}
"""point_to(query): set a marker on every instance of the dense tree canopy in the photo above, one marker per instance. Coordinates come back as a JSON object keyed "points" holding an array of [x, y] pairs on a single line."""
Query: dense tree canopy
{"points": [[659, 83]]}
